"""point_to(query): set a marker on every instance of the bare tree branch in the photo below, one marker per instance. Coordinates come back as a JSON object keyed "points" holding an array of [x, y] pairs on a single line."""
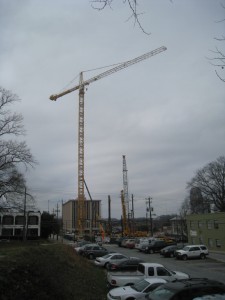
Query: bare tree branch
{"points": [[13, 154], [132, 4]]}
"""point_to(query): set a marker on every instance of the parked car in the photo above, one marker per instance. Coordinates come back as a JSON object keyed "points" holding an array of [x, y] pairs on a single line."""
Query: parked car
{"points": [[119, 241], [145, 243], [169, 251], [110, 258], [92, 251], [80, 249], [192, 251], [138, 242], [80, 244], [156, 246], [130, 243], [191, 289], [135, 291], [123, 243], [144, 270], [129, 264]]}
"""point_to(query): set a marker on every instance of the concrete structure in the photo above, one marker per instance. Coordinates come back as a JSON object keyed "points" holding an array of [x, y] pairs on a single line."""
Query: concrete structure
{"points": [[208, 229], [92, 216], [15, 225]]}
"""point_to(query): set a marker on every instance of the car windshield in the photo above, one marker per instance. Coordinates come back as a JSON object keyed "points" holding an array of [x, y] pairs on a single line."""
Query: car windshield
{"points": [[140, 286], [161, 293], [186, 248]]}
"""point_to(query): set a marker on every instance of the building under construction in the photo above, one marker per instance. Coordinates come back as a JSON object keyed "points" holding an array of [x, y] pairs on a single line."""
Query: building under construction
{"points": [[92, 216]]}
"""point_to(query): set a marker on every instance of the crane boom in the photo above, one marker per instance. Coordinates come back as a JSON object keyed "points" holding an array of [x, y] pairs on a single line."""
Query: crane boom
{"points": [[110, 71], [80, 214]]}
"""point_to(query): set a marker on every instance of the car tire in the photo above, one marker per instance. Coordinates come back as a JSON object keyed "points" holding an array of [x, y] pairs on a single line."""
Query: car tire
{"points": [[184, 257], [106, 265], [172, 254], [202, 256], [151, 251]]}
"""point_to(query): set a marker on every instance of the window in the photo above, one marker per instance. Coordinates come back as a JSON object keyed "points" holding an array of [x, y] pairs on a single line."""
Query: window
{"points": [[33, 220], [218, 243], [200, 240], [151, 271], [192, 224], [32, 232], [200, 224], [194, 249], [210, 224], [162, 272], [19, 220], [7, 232], [18, 232], [7, 220], [210, 242], [216, 224]]}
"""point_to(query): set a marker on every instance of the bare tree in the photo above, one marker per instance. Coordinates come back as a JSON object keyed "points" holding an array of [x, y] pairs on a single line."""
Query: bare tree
{"points": [[185, 208], [13, 154], [197, 203], [210, 180], [219, 55], [132, 5]]}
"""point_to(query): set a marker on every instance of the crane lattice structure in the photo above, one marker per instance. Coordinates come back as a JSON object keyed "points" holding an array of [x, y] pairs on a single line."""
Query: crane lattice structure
{"points": [[124, 215], [125, 187], [80, 87]]}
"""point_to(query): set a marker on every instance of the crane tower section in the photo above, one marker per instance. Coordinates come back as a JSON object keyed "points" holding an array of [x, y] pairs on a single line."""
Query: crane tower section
{"points": [[125, 187]]}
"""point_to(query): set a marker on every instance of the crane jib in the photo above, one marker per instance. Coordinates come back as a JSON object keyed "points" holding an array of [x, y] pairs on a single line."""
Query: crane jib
{"points": [[110, 71]]}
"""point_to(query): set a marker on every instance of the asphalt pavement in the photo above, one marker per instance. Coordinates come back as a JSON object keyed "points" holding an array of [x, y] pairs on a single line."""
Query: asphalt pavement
{"points": [[219, 256]]}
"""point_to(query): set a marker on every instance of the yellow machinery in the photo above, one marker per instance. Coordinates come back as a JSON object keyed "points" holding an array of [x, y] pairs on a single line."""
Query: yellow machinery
{"points": [[80, 87], [124, 216]]}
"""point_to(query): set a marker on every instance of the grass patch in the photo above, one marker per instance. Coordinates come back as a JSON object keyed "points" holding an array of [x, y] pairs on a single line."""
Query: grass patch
{"points": [[50, 271]]}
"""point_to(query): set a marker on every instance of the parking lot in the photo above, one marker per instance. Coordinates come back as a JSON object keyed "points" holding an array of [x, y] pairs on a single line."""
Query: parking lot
{"points": [[209, 267]]}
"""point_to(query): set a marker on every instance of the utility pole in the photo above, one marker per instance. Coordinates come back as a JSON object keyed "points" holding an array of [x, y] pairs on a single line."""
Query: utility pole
{"points": [[150, 215], [109, 216], [24, 215], [132, 214], [57, 217]]}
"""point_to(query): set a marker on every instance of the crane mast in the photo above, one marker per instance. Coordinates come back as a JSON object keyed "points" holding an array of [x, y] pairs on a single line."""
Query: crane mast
{"points": [[125, 187], [81, 197], [124, 220]]}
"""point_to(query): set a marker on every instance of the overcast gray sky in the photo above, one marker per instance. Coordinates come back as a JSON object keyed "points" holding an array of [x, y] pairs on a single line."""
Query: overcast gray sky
{"points": [[166, 113]]}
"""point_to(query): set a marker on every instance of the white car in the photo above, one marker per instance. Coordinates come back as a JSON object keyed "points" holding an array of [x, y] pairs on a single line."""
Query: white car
{"points": [[136, 291], [110, 258], [192, 251]]}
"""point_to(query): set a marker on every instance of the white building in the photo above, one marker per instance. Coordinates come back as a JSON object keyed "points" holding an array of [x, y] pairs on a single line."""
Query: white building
{"points": [[16, 225]]}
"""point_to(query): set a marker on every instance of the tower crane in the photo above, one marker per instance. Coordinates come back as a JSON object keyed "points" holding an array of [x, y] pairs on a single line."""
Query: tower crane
{"points": [[80, 87]]}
